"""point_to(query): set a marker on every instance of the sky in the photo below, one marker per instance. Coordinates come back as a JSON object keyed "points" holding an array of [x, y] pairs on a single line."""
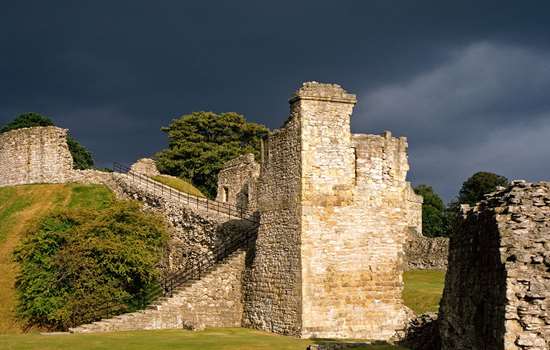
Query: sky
{"points": [[468, 82]]}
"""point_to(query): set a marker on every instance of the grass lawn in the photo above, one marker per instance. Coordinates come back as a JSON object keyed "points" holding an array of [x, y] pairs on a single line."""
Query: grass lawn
{"points": [[20, 206], [423, 289], [219, 339], [178, 184]]}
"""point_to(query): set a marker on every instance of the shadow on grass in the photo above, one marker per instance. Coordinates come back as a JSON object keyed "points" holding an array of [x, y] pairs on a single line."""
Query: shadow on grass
{"points": [[328, 343]]}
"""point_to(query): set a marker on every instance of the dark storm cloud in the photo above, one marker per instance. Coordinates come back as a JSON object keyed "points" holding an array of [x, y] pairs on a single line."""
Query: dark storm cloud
{"points": [[115, 71], [486, 108]]}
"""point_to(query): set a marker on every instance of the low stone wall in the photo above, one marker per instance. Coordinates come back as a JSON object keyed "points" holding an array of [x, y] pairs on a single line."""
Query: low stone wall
{"points": [[497, 288], [424, 253], [91, 177]]}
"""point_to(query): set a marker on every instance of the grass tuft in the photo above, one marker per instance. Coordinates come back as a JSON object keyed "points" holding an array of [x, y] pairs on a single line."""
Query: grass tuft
{"points": [[179, 184]]}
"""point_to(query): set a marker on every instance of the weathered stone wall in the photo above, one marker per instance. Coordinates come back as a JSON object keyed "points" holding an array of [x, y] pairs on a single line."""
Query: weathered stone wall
{"points": [[334, 217], [237, 182], [497, 288], [34, 155], [423, 252], [273, 279], [145, 166]]}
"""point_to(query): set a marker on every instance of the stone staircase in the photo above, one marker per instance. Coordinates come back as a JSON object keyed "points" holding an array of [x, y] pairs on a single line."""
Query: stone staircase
{"points": [[214, 299], [206, 293]]}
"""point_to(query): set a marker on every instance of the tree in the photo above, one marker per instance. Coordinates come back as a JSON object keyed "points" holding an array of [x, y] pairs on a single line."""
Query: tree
{"points": [[201, 142], [82, 158], [27, 120], [478, 185], [472, 191], [434, 221]]}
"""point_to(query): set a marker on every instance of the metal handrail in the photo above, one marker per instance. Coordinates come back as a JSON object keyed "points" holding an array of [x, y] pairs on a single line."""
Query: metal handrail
{"points": [[187, 198]]}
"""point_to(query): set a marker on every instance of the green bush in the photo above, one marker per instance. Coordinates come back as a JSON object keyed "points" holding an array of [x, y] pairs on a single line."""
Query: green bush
{"points": [[80, 265]]}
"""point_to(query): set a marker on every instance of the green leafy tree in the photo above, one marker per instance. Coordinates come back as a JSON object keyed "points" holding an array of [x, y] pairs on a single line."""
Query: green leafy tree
{"points": [[434, 220], [472, 191], [78, 265], [27, 120], [82, 158], [201, 142], [478, 185]]}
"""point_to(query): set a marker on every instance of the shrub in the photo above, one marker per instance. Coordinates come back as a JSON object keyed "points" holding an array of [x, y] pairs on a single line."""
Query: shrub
{"points": [[79, 265]]}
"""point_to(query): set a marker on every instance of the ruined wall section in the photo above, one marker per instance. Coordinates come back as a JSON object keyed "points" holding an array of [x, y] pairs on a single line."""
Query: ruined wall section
{"points": [[237, 182], [145, 166], [497, 288], [425, 253], [34, 155], [273, 277]]}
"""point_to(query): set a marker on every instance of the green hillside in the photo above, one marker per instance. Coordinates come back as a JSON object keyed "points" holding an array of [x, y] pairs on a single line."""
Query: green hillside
{"points": [[20, 208]]}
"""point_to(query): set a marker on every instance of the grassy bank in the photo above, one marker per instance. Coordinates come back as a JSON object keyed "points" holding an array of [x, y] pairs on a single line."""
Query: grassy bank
{"points": [[20, 207], [179, 184]]}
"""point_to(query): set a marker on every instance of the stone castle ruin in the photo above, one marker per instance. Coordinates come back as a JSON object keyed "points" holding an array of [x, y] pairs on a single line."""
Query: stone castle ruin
{"points": [[335, 208], [334, 224]]}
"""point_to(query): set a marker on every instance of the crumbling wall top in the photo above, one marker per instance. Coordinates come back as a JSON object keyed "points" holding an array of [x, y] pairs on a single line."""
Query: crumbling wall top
{"points": [[313, 90], [247, 158], [145, 166]]}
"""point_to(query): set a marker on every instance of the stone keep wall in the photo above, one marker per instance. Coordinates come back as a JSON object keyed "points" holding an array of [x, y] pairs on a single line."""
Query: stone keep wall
{"points": [[273, 276], [334, 217], [34, 155], [497, 288], [237, 182]]}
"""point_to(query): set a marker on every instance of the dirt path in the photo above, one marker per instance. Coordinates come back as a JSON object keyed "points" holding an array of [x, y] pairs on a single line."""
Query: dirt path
{"points": [[41, 198]]}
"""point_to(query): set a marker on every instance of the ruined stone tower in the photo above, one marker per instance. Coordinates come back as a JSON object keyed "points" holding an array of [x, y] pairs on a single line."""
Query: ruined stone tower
{"points": [[34, 155], [334, 209]]}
